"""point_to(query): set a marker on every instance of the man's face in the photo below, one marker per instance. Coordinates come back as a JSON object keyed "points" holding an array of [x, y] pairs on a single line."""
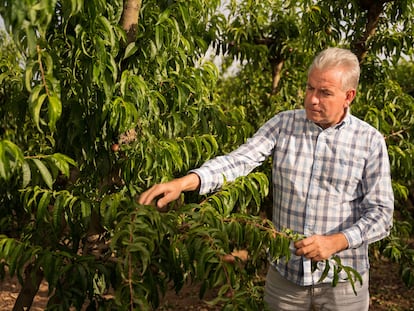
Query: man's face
{"points": [[326, 103]]}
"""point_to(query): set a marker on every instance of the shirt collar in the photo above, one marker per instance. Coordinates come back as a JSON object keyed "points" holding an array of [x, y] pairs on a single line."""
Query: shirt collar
{"points": [[346, 120]]}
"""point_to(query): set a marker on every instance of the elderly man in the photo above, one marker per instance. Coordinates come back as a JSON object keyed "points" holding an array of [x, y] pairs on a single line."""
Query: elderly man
{"points": [[331, 183]]}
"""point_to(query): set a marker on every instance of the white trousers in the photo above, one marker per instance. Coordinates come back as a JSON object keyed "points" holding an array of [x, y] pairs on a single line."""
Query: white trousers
{"points": [[283, 295]]}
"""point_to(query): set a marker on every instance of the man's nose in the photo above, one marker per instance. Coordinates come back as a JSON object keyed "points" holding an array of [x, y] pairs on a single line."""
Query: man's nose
{"points": [[314, 98]]}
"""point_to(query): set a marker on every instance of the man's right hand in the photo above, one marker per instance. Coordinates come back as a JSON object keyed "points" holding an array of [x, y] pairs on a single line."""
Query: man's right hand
{"points": [[169, 191]]}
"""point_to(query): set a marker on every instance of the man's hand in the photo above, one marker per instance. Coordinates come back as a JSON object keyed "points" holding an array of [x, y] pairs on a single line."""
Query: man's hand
{"points": [[169, 191], [321, 247], [243, 255]]}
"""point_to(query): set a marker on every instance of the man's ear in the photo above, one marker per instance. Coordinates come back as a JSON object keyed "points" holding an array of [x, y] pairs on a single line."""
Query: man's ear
{"points": [[350, 95]]}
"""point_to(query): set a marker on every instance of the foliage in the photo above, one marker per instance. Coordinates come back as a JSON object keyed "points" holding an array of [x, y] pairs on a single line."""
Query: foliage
{"points": [[89, 119]]}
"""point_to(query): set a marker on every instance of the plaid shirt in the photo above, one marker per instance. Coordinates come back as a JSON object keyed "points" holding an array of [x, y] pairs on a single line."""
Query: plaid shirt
{"points": [[324, 182]]}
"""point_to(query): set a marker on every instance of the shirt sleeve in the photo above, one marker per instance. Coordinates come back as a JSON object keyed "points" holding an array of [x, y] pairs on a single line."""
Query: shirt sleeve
{"points": [[239, 162], [377, 205]]}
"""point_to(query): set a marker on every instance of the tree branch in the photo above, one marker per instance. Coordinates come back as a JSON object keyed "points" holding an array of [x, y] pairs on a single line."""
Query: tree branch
{"points": [[277, 69], [374, 10], [130, 18], [30, 287]]}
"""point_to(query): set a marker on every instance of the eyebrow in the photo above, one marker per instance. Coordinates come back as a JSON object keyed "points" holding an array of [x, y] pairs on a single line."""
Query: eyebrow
{"points": [[322, 89]]}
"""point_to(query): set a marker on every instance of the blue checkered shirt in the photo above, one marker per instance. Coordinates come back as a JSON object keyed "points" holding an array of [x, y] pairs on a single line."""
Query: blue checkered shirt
{"points": [[324, 182]]}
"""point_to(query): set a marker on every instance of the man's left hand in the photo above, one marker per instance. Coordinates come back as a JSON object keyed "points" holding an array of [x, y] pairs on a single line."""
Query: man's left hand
{"points": [[321, 247]]}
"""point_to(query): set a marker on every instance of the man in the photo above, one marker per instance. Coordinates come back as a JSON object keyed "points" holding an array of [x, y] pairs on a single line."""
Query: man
{"points": [[331, 183]]}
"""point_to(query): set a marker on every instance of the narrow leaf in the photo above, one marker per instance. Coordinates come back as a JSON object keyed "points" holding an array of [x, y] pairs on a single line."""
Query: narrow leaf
{"points": [[46, 175]]}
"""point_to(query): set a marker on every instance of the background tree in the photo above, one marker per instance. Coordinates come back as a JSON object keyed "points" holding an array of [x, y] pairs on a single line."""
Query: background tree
{"points": [[101, 99]]}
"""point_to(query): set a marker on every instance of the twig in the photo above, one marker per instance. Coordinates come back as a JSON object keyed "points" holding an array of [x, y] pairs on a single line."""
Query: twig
{"points": [[42, 71], [395, 133]]}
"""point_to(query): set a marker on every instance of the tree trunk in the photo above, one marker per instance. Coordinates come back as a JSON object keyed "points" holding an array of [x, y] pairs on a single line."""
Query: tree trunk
{"points": [[130, 18], [374, 9], [277, 69], [32, 281]]}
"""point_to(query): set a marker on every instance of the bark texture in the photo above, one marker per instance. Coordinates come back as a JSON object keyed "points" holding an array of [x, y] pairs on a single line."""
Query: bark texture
{"points": [[33, 278], [130, 18]]}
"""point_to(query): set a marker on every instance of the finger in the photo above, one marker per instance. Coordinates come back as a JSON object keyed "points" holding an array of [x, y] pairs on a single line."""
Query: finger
{"points": [[229, 258], [312, 255], [298, 244], [148, 196], [300, 252], [166, 198], [143, 198], [307, 251], [242, 254], [162, 201], [301, 243], [307, 254]]}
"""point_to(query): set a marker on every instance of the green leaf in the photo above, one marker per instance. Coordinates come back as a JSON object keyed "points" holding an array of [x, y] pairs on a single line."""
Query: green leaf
{"points": [[130, 50], [27, 174], [165, 15], [4, 163], [325, 271], [58, 214], [54, 111], [62, 162], [30, 67], [159, 34], [42, 208], [107, 30], [35, 107], [46, 175]]}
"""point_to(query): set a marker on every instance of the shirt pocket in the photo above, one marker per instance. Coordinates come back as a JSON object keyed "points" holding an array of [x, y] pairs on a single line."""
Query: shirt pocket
{"points": [[343, 178]]}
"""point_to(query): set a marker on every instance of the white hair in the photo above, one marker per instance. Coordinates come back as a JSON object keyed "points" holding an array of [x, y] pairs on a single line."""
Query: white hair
{"points": [[337, 57]]}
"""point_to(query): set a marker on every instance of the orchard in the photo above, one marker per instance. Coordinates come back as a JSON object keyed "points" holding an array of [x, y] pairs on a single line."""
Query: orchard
{"points": [[99, 100]]}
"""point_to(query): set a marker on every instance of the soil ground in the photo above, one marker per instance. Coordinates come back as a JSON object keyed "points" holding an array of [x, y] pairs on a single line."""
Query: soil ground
{"points": [[388, 293]]}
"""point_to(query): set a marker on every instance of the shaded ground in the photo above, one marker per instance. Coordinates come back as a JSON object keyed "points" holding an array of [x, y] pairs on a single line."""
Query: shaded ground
{"points": [[388, 293]]}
